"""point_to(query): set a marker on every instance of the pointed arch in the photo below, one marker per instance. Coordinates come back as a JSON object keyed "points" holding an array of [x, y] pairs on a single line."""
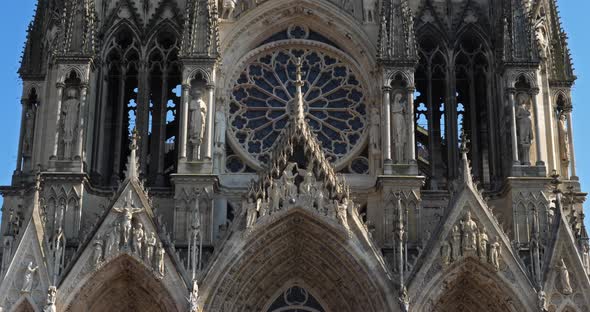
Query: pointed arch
{"points": [[25, 304], [296, 246], [122, 282]]}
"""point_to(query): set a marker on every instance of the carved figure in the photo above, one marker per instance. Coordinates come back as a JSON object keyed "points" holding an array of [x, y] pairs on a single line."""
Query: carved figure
{"points": [[398, 120], [564, 146], [319, 202], [28, 278], [150, 243], [564, 278], [525, 128], [308, 184], [456, 244], [445, 252], [70, 120], [126, 222], [375, 131], [220, 127], [138, 238], [483, 244], [113, 240], [97, 255], [290, 189], [542, 301], [369, 7], [51, 294], [470, 232], [198, 120], [29, 128], [495, 254], [251, 213], [194, 297], [160, 258], [228, 8], [341, 212], [274, 197]]}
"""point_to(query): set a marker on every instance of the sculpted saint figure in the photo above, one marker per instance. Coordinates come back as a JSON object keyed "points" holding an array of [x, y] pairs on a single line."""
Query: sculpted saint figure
{"points": [[251, 213], [483, 244], [469, 233], [198, 120], [308, 184], [97, 256], [29, 128], [495, 254], [290, 189], [138, 239], [70, 120], [126, 222], [28, 278], [274, 197], [525, 128], [398, 121], [341, 212], [445, 252], [564, 278], [375, 131], [564, 146], [220, 127], [319, 202], [50, 305], [160, 259], [150, 242], [456, 244]]}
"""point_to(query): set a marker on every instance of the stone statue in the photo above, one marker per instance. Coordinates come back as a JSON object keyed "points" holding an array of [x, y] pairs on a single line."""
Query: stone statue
{"points": [[375, 131], [290, 189], [28, 278], [564, 278], [113, 240], [341, 212], [319, 202], [586, 257], [251, 213], [70, 121], [495, 254], [228, 8], [542, 40], [456, 244], [483, 244], [126, 224], [194, 298], [220, 127], [398, 122], [308, 184], [445, 252], [404, 300], [29, 130], [198, 121], [150, 243], [525, 128], [470, 232], [542, 301], [138, 238], [59, 216], [51, 296], [369, 7], [97, 255], [160, 259], [274, 197], [564, 147]]}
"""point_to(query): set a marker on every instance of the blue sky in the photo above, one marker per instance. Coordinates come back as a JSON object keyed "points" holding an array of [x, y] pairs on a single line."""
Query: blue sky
{"points": [[16, 15]]}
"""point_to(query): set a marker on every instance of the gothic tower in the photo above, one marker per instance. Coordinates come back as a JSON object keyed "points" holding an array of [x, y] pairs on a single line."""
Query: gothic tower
{"points": [[279, 155]]}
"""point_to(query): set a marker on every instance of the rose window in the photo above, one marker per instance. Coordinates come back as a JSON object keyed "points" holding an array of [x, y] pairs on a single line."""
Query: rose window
{"points": [[333, 96]]}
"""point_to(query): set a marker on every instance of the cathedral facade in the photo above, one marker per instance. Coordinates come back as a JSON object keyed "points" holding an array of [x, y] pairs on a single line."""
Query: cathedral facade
{"points": [[279, 155]]}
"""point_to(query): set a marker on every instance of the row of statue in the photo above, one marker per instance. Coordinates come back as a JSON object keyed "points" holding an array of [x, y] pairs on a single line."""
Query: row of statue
{"points": [[123, 236], [283, 193], [467, 239], [197, 128]]}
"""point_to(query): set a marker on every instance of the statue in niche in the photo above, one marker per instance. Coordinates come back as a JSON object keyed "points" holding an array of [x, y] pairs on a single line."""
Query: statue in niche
{"points": [[290, 189], [138, 238], [564, 146], [198, 119], [274, 195], [126, 224], [150, 245], [220, 126], [28, 278], [445, 251], [495, 254], [525, 128], [398, 121], [97, 255], [51, 296], [470, 233], [160, 252], [251, 213], [369, 7], [113, 240], [564, 278], [542, 40], [483, 244], [29, 130], [70, 121], [456, 244], [375, 132]]}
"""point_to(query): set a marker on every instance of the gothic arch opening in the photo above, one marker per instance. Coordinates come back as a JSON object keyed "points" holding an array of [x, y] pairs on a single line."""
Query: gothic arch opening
{"points": [[122, 285], [24, 306], [300, 247]]}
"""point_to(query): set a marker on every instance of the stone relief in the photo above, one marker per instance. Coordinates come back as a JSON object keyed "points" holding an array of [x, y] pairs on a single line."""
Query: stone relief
{"points": [[468, 239], [398, 121]]}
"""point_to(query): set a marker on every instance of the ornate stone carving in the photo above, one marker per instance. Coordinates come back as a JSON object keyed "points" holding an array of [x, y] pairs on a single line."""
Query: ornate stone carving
{"points": [[97, 256], [28, 278], [542, 301], [150, 247], [51, 297], [159, 263], [126, 222], [563, 275], [138, 236], [194, 298], [564, 145]]}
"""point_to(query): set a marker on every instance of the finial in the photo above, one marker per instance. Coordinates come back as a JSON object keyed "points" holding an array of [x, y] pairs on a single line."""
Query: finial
{"points": [[132, 163]]}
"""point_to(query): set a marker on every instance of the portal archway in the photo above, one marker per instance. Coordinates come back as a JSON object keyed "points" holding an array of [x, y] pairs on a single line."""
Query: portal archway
{"points": [[298, 246], [123, 285]]}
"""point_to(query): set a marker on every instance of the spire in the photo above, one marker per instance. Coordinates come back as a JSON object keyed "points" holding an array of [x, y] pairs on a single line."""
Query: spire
{"points": [[132, 171]]}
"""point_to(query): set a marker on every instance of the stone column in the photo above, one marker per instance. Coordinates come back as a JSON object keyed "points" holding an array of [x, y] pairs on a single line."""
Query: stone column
{"points": [[79, 149], [19, 158], [183, 122], [538, 136], [513, 132], [60, 91], [208, 148], [570, 134], [411, 145], [387, 124]]}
